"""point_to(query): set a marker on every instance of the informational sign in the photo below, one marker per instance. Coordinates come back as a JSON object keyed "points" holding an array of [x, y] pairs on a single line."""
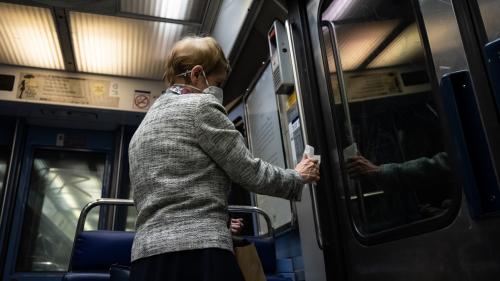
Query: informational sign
{"points": [[297, 142], [68, 90], [265, 142], [367, 86]]}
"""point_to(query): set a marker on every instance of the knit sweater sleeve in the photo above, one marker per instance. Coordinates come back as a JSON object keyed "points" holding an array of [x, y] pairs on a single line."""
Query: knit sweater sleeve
{"points": [[218, 137]]}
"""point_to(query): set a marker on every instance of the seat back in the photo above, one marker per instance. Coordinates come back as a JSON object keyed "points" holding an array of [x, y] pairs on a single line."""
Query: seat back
{"points": [[266, 250], [95, 251], [98, 250]]}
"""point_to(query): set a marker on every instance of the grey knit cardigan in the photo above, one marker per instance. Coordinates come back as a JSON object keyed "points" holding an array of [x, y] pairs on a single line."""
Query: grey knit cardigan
{"points": [[183, 158]]}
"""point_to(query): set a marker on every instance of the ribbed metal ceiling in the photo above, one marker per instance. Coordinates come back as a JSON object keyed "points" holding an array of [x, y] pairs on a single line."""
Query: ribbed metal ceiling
{"points": [[189, 10], [28, 37], [123, 46]]}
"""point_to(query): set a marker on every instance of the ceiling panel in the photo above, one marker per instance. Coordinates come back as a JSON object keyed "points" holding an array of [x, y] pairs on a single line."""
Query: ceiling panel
{"points": [[123, 46], [189, 10], [357, 41], [405, 49], [28, 37]]}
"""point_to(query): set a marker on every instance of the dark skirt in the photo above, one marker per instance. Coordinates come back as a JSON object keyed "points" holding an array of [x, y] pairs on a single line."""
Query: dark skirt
{"points": [[194, 265]]}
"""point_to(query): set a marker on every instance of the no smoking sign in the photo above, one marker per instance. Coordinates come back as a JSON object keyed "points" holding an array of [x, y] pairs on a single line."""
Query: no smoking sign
{"points": [[142, 100]]}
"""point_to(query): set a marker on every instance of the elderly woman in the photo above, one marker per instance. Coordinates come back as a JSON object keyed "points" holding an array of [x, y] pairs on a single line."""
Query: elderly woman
{"points": [[183, 158]]}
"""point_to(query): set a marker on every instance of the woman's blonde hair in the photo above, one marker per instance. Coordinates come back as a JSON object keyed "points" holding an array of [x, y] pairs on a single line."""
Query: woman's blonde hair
{"points": [[192, 51]]}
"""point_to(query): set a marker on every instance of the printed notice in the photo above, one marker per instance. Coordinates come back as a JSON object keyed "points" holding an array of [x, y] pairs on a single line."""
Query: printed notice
{"points": [[69, 90], [266, 143]]}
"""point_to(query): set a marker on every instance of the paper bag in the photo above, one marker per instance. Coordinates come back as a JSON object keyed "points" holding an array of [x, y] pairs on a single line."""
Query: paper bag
{"points": [[249, 263]]}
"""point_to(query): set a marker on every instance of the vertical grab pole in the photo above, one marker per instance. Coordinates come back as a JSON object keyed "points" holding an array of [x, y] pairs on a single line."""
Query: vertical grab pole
{"points": [[345, 105], [312, 187]]}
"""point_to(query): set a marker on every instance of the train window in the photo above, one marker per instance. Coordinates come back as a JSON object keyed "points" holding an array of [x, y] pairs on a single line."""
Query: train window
{"points": [[395, 168], [489, 13], [61, 184]]}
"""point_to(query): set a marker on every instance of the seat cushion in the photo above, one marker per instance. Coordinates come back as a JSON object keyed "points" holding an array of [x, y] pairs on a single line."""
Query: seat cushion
{"points": [[98, 250], [86, 276]]}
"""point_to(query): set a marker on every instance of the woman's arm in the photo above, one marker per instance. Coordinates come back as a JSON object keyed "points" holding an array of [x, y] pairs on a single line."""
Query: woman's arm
{"points": [[218, 137]]}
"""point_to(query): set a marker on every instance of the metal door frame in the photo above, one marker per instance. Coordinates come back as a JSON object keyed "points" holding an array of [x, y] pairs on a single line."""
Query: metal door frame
{"points": [[349, 244], [44, 138]]}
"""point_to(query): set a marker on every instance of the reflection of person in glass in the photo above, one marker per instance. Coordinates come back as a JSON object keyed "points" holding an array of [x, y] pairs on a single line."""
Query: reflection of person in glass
{"points": [[417, 175]]}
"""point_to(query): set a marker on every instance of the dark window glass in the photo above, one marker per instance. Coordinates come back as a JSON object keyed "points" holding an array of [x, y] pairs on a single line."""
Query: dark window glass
{"points": [[61, 184], [395, 168], [490, 9]]}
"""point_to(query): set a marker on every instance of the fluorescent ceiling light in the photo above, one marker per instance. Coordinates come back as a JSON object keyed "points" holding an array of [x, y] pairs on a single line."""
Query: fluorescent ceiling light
{"points": [[357, 41], [338, 9], [404, 49], [189, 10], [123, 46], [28, 37]]}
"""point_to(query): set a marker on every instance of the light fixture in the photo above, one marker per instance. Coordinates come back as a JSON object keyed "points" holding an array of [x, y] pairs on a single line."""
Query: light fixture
{"points": [[189, 10], [29, 37], [404, 49], [123, 46], [357, 41], [338, 9]]}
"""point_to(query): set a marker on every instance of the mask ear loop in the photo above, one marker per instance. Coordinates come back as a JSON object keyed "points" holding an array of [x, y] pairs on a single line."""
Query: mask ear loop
{"points": [[204, 76], [185, 73]]}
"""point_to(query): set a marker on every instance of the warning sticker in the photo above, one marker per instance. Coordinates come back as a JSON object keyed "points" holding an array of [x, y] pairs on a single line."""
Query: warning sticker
{"points": [[142, 99]]}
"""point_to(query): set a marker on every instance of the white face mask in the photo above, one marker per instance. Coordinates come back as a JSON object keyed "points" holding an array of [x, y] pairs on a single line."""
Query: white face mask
{"points": [[217, 92]]}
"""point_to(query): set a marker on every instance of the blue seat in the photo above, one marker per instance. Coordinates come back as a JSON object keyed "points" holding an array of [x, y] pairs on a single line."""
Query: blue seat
{"points": [[266, 250], [95, 251]]}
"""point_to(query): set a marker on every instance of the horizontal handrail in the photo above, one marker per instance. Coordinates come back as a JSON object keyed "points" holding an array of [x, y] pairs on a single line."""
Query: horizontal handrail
{"points": [[253, 210], [99, 202]]}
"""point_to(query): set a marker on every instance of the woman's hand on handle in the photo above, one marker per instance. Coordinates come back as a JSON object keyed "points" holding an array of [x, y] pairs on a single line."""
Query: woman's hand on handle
{"points": [[308, 169]]}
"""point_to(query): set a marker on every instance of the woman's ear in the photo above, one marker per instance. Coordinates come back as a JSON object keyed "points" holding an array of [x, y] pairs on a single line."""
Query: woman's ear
{"points": [[196, 73]]}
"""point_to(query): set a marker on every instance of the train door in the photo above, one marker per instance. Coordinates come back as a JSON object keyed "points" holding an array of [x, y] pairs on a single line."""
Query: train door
{"points": [[408, 204], [62, 170]]}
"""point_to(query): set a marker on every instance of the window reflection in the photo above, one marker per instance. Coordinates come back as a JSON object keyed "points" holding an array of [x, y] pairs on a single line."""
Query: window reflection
{"points": [[490, 9], [396, 170], [61, 184]]}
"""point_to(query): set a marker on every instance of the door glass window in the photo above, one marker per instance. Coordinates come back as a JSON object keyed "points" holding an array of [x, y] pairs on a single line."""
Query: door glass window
{"points": [[61, 184], [395, 168], [490, 9]]}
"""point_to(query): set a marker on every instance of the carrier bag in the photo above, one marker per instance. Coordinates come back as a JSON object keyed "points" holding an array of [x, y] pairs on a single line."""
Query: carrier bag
{"points": [[249, 263]]}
